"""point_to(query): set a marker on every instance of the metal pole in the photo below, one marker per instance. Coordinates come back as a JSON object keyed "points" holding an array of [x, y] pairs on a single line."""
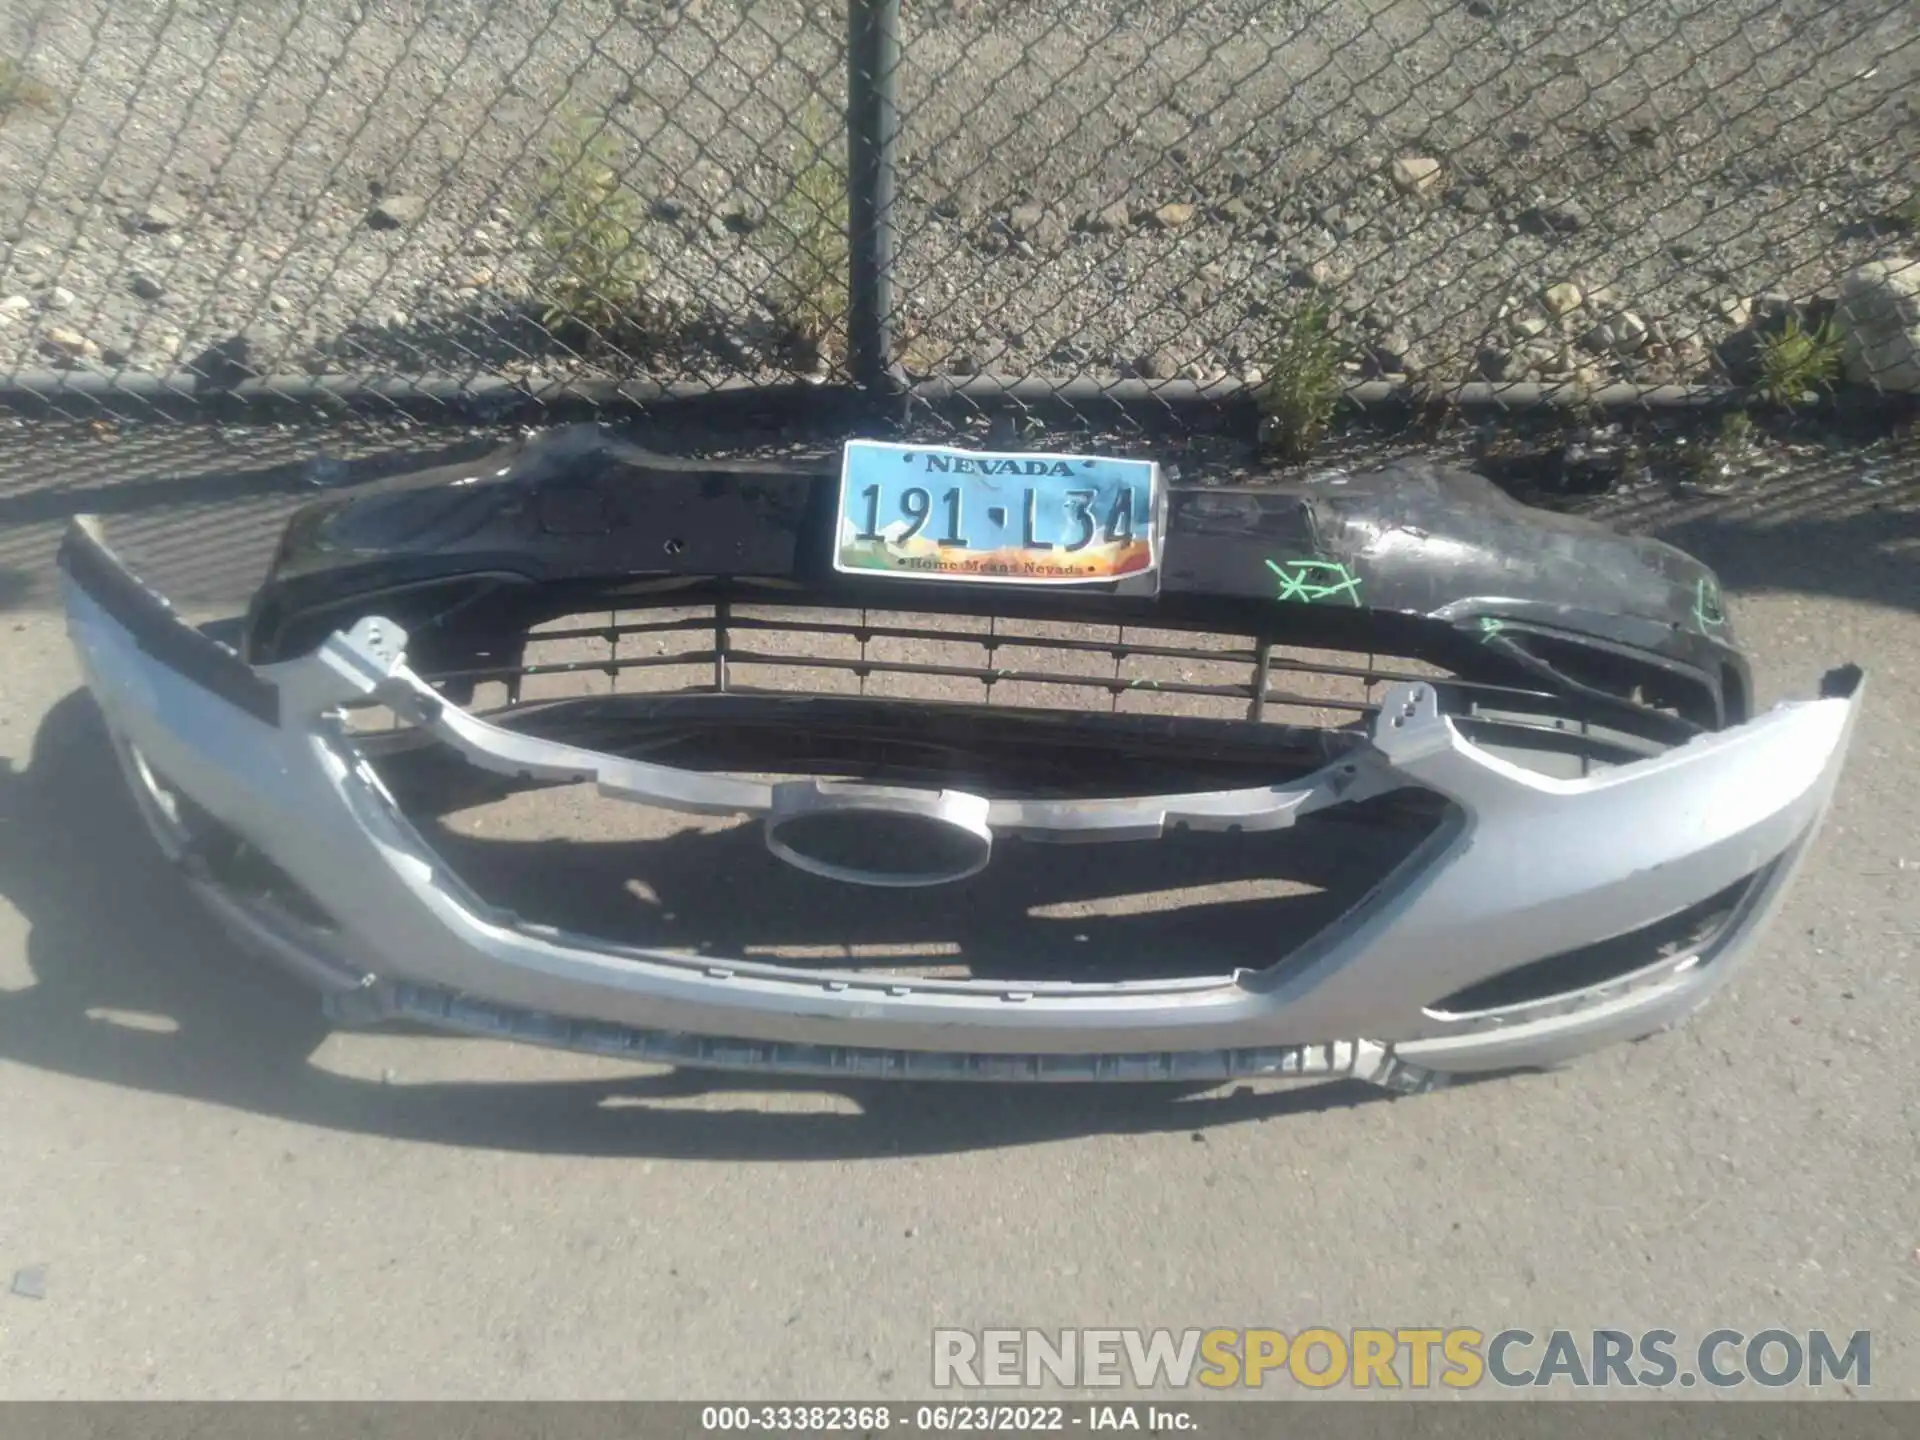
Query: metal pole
{"points": [[873, 58]]}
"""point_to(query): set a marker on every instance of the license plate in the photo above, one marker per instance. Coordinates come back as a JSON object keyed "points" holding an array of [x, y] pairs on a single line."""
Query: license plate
{"points": [[918, 512]]}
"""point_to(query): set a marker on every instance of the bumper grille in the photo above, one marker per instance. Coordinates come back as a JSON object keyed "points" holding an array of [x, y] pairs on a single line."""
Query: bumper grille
{"points": [[984, 659]]}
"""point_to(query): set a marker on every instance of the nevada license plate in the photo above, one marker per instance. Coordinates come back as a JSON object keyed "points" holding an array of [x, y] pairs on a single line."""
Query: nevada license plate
{"points": [[921, 512]]}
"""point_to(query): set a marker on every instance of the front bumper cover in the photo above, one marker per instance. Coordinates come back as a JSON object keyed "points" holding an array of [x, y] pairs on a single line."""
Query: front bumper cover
{"points": [[1528, 867]]}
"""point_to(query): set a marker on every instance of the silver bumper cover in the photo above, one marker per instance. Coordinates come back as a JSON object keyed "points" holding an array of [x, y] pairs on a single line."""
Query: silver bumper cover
{"points": [[1531, 867]]}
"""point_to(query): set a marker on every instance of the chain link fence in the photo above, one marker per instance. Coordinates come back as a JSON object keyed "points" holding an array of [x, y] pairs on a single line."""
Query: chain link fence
{"points": [[443, 201]]}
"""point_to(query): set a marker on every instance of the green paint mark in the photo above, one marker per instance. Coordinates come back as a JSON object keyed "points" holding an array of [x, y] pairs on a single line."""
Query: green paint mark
{"points": [[1490, 627], [1143, 684], [1309, 581], [1707, 613]]}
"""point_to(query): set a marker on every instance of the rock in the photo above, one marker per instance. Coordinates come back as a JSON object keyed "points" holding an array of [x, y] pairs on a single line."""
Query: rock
{"points": [[68, 344], [1878, 319], [162, 213], [1311, 276], [1483, 9], [1562, 299], [1773, 306], [1546, 355], [145, 286], [1531, 326], [396, 212], [1025, 219], [14, 306], [741, 218], [1599, 340], [57, 298], [1192, 297], [239, 357], [1565, 218], [1630, 332], [1416, 174], [1393, 354], [1038, 225], [1735, 310], [1171, 216], [664, 207], [115, 356], [1497, 364], [1106, 220], [1157, 365], [1739, 355], [1235, 212], [1473, 199], [279, 304], [30, 1283]]}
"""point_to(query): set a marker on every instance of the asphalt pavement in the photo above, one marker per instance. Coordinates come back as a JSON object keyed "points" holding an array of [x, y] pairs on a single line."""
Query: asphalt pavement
{"points": [[213, 1196]]}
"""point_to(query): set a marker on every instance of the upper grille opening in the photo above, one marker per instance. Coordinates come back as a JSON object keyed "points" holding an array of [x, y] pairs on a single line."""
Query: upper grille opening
{"points": [[1008, 664], [1190, 904], [992, 705], [948, 658]]}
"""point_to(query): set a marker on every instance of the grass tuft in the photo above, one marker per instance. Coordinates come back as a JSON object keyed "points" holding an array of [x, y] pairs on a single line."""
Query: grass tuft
{"points": [[805, 238], [1718, 460], [1300, 385], [594, 270], [1796, 362]]}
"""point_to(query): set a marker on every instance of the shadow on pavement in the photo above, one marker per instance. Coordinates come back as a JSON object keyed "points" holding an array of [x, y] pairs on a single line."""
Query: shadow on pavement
{"points": [[1844, 525], [196, 509], [1870, 555], [113, 929]]}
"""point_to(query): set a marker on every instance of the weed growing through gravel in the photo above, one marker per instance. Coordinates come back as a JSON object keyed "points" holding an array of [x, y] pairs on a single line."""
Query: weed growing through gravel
{"points": [[1796, 362], [594, 268], [805, 239], [1301, 384], [1718, 460], [21, 89]]}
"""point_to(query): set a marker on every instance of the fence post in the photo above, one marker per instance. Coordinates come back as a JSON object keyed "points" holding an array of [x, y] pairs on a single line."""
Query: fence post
{"points": [[873, 56]]}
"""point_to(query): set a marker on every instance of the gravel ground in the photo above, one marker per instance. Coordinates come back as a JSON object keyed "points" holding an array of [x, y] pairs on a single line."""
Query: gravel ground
{"points": [[1086, 187]]}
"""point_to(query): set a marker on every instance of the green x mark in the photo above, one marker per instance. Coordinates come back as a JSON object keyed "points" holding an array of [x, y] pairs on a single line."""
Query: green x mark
{"points": [[1309, 581], [1707, 613]]}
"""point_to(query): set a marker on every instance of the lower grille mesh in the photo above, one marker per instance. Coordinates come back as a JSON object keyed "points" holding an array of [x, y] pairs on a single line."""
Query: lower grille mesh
{"points": [[964, 659]]}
